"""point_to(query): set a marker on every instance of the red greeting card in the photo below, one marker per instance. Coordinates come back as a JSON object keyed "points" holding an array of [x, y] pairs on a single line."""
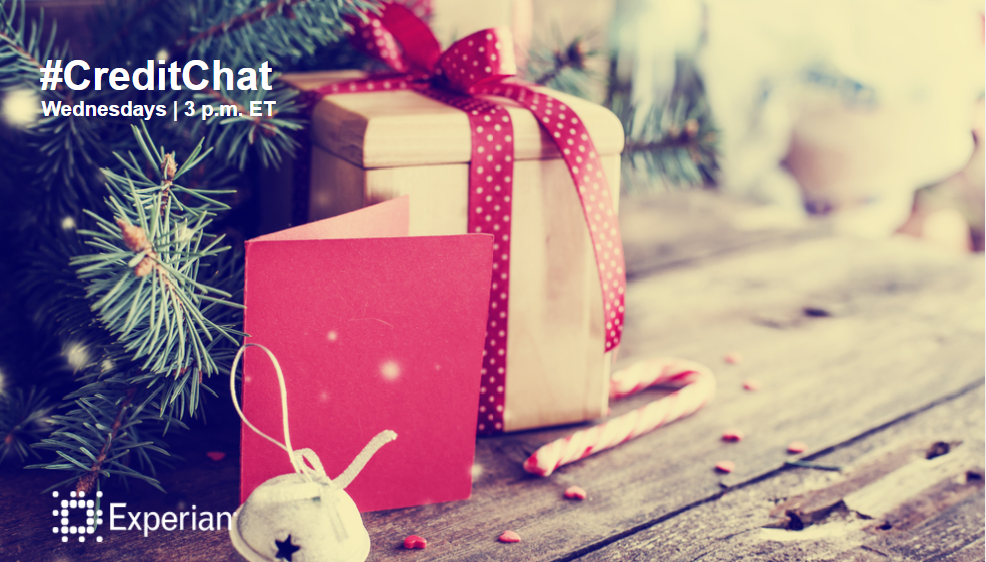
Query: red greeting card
{"points": [[374, 330]]}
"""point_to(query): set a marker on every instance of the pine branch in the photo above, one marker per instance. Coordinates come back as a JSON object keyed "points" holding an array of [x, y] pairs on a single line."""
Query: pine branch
{"points": [[674, 144], [153, 278], [151, 309], [23, 419], [279, 32], [573, 56], [126, 27], [143, 274], [101, 436], [280, 7], [270, 136], [70, 145], [88, 480], [20, 51], [563, 67]]}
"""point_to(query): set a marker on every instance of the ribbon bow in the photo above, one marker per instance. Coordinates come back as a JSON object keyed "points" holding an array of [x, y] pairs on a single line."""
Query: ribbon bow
{"points": [[482, 64], [405, 43]]}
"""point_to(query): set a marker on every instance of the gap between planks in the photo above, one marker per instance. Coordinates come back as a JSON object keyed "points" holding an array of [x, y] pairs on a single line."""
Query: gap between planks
{"points": [[600, 544]]}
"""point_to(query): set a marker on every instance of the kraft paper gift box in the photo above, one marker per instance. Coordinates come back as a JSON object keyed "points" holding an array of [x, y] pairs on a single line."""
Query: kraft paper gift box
{"points": [[375, 146]]}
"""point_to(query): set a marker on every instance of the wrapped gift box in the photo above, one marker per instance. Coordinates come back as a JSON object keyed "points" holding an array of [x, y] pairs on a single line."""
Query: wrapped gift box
{"points": [[375, 146]]}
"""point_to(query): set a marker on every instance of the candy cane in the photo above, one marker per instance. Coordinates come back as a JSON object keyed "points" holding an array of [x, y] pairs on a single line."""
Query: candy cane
{"points": [[699, 387]]}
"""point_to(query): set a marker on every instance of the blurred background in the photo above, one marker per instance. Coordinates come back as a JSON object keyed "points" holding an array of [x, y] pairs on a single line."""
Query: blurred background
{"points": [[868, 113]]}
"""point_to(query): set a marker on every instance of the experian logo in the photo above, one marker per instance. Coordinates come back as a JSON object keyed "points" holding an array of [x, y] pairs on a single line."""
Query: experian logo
{"points": [[78, 504], [71, 511]]}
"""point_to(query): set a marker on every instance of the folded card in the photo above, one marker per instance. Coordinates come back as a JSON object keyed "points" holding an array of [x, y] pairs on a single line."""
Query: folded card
{"points": [[374, 330]]}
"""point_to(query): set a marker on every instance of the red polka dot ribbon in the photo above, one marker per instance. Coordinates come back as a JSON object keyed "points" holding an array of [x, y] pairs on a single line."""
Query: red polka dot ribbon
{"points": [[482, 64]]}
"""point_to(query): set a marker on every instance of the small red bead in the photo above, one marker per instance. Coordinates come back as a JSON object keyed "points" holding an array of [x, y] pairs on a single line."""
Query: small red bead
{"points": [[796, 447], [732, 435], [414, 541], [725, 466], [509, 536], [575, 493], [733, 358]]}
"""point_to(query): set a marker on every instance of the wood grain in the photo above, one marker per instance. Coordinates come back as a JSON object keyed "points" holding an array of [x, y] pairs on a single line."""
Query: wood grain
{"points": [[731, 527], [672, 229]]}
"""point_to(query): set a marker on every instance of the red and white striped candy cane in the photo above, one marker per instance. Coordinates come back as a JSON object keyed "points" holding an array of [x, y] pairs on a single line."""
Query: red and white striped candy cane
{"points": [[699, 387]]}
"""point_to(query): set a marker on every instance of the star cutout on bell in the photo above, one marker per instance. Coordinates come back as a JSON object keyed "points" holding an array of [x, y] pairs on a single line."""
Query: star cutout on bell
{"points": [[285, 549]]}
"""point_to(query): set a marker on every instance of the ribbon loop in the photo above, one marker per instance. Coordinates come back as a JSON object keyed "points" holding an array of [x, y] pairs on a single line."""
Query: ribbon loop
{"points": [[397, 38], [304, 461], [483, 57]]}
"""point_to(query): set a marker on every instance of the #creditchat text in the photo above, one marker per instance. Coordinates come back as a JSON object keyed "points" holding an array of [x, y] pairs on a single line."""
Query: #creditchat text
{"points": [[78, 75]]}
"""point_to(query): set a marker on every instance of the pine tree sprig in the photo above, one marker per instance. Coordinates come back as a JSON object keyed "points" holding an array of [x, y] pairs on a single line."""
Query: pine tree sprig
{"points": [[21, 50], [236, 134], [23, 420], [143, 274], [126, 25], [103, 436], [674, 145], [564, 66], [259, 14], [280, 32]]}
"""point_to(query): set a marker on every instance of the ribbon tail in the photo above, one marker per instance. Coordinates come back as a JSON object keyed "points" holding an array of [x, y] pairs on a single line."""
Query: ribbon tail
{"points": [[354, 468], [571, 137]]}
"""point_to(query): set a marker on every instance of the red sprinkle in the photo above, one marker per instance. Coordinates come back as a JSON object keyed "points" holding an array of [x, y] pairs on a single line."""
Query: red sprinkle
{"points": [[414, 541], [575, 493], [509, 536], [216, 455], [751, 384], [732, 435], [796, 447], [725, 466], [733, 358]]}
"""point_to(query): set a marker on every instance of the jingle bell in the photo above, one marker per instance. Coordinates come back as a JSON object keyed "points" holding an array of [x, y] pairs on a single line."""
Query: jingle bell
{"points": [[304, 516], [293, 519]]}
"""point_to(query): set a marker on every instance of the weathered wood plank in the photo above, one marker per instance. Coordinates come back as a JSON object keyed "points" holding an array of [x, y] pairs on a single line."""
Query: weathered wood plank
{"points": [[732, 526], [665, 230]]}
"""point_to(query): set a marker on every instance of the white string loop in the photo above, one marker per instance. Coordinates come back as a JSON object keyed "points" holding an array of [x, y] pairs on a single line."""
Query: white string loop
{"points": [[305, 461]]}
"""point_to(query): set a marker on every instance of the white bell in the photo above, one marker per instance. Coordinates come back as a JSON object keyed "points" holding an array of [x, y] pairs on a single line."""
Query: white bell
{"points": [[289, 518], [304, 516]]}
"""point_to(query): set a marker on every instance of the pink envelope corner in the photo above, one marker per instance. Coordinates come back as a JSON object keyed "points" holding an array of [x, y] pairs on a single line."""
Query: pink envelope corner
{"points": [[373, 330]]}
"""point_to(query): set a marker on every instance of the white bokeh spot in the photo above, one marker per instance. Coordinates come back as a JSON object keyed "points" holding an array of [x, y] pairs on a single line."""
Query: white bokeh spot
{"points": [[77, 356], [390, 370], [20, 108]]}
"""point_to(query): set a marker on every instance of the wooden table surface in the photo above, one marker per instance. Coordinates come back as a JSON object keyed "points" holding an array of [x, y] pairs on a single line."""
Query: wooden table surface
{"points": [[871, 352]]}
